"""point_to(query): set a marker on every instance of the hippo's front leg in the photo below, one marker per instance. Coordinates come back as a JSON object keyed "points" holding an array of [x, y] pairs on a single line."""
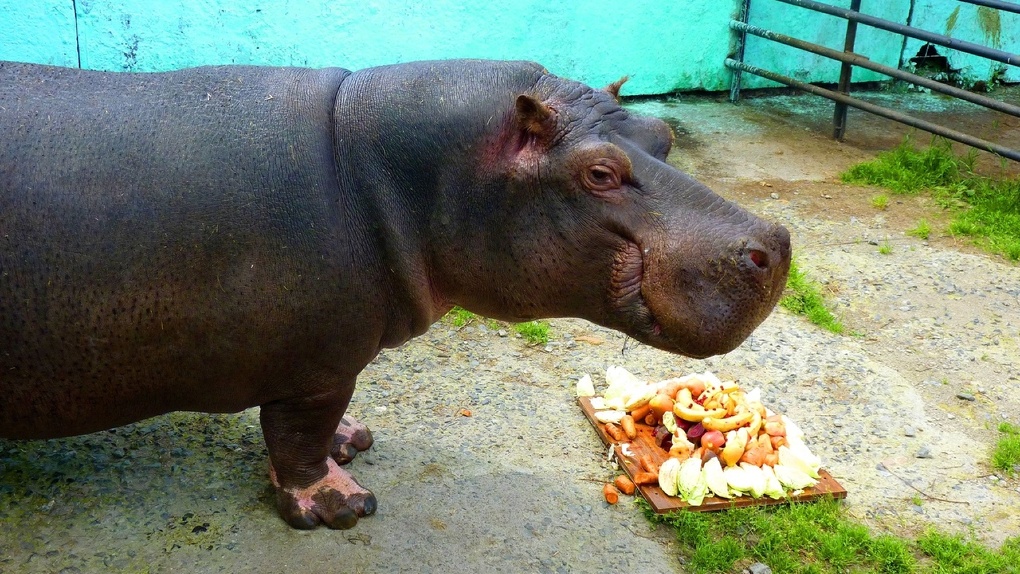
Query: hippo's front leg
{"points": [[311, 488]]}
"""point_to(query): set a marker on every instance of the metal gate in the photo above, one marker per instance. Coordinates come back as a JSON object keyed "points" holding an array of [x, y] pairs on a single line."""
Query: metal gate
{"points": [[849, 59]]}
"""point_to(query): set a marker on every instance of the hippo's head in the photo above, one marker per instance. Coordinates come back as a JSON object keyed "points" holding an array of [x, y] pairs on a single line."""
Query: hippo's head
{"points": [[564, 205]]}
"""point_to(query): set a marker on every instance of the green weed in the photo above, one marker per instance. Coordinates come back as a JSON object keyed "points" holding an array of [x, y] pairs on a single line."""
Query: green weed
{"points": [[885, 248], [535, 332], [922, 230], [459, 316], [1006, 456], [804, 297], [880, 201], [986, 210]]}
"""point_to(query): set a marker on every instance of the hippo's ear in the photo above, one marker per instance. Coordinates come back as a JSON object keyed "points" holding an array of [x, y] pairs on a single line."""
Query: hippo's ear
{"points": [[534, 117], [614, 88]]}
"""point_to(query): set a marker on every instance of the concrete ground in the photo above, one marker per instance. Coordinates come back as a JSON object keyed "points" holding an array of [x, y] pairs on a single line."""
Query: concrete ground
{"points": [[516, 486]]}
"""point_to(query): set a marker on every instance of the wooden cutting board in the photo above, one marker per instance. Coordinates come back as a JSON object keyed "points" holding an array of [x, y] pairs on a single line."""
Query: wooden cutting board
{"points": [[644, 445]]}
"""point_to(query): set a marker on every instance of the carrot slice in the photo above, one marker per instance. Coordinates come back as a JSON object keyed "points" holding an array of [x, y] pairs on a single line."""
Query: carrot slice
{"points": [[612, 495]]}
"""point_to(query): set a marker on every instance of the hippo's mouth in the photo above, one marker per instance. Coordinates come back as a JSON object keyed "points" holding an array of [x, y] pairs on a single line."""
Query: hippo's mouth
{"points": [[625, 291]]}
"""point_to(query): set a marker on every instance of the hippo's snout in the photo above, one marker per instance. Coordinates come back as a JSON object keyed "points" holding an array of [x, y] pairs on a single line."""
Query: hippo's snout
{"points": [[707, 291], [764, 258]]}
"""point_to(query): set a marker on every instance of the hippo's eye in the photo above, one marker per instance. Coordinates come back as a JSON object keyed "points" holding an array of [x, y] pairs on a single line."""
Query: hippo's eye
{"points": [[599, 177]]}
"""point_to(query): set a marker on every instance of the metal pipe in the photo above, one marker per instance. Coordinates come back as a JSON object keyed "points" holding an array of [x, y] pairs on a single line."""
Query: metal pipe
{"points": [[745, 9], [880, 111], [997, 4], [863, 62], [845, 72], [930, 37]]}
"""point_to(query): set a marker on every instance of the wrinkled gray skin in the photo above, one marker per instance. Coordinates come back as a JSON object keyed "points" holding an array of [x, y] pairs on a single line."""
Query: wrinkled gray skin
{"points": [[218, 238]]}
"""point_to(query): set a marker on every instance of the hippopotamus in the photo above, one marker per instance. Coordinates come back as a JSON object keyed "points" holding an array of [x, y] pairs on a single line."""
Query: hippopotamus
{"points": [[218, 238]]}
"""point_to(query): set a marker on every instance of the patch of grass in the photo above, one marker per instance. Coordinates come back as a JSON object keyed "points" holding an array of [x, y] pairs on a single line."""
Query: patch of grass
{"points": [[1006, 456], [459, 316], [956, 554], [885, 248], [535, 332], [986, 210], [804, 297], [993, 219], [820, 537], [880, 201], [922, 230], [907, 170]]}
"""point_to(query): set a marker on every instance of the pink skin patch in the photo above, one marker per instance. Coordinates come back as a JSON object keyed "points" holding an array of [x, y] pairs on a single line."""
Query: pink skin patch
{"points": [[351, 437], [335, 499]]}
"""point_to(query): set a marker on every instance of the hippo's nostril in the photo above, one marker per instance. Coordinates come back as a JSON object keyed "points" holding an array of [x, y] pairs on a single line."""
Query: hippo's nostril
{"points": [[759, 258]]}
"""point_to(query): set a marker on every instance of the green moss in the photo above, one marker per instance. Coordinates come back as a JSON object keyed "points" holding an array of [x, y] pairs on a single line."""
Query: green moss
{"points": [[991, 25]]}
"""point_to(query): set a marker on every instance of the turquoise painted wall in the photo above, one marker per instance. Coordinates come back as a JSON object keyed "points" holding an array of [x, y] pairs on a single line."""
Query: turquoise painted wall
{"points": [[664, 45], [880, 46], [985, 26], [41, 32]]}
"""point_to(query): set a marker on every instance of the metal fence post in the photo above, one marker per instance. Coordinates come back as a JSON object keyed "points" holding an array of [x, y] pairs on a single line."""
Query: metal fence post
{"points": [[845, 73], [739, 56]]}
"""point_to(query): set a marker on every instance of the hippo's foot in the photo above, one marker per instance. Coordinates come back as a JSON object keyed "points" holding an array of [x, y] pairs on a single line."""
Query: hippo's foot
{"points": [[351, 437], [336, 500]]}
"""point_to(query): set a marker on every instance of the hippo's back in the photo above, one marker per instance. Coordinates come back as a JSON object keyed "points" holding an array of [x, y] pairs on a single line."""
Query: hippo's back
{"points": [[159, 232]]}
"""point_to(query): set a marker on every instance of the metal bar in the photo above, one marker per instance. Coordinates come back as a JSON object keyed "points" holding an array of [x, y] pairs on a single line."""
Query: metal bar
{"points": [[845, 73], [880, 111], [997, 4], [930, 37], [741, 42], [863, 62]]}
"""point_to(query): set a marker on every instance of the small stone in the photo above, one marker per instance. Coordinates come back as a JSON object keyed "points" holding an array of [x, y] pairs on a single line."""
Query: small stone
{"points": [[501, 332], [759, 568], [965, 396], [909, 431], [923, 452], [774, 195]]}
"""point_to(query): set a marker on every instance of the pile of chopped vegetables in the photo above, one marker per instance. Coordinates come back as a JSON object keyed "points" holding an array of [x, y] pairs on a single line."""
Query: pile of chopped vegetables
{"points": [[720, 439]]}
